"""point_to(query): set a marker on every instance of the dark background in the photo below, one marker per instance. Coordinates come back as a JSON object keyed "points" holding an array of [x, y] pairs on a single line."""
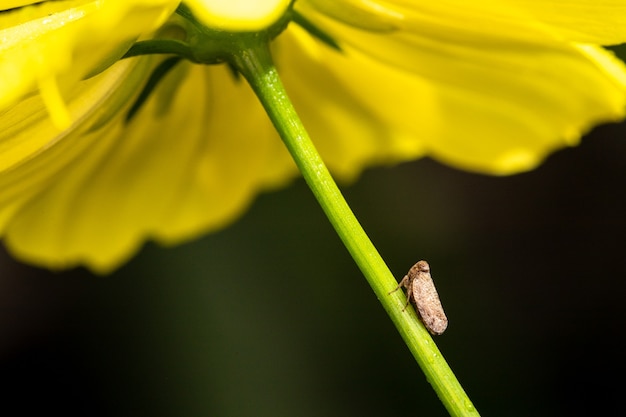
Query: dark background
{"points": [[270, 317]]}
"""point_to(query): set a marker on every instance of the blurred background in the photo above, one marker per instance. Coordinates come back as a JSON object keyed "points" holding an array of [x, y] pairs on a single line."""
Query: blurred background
{"points": [[270, 317]]}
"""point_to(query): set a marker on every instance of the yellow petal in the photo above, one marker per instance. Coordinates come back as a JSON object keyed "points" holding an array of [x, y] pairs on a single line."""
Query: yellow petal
{"points": [[34, 155], [602, 22], [187, 163], [61, 42], [494, 104], [238, 15]]}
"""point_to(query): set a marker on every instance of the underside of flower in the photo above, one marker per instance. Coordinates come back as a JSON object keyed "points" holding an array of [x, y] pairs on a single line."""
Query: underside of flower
{"points": [[152, 146]]}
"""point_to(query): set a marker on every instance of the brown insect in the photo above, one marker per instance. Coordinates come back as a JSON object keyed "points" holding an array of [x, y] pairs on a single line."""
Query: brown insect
{"points": [[421, 291]]}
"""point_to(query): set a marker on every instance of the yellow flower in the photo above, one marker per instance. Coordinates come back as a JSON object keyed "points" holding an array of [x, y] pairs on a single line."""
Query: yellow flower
{"points": [[490, 86]]}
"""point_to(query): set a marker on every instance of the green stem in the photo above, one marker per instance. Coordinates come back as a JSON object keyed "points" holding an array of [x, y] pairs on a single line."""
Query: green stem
{"points": [[255, 63]]}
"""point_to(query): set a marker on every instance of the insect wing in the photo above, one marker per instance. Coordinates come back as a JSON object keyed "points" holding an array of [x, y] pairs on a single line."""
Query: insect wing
{"points": [[428, 304]]}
